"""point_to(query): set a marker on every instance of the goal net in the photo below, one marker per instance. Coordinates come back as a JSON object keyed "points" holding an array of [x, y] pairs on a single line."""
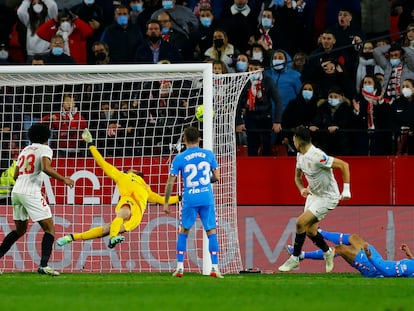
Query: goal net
{"points": [[137, 114]]}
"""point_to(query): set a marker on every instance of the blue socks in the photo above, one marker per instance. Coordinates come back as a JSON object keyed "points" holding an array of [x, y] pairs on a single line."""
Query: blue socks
{"points": [[181, 246], [213, 248], [318, 254], [335, 237]]}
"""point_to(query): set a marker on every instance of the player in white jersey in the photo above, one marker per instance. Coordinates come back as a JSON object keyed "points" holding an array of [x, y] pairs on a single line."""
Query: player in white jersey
{"points": [[322, 195], [28, 202]]}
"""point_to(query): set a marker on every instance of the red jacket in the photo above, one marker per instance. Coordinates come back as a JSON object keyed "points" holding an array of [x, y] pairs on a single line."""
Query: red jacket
{"points": [[68, 128], [77, 39]]}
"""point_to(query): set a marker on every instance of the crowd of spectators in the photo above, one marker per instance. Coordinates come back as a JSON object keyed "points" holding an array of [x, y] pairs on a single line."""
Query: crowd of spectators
{"points": [[332, 65]]}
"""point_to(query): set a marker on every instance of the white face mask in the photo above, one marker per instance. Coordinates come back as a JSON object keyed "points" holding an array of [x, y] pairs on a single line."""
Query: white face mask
{"points": [[37, 8], [256, 76], [334, 102], [369, 89], [278, 64], [4, 54], [407, 92], [66, 27], [257, 55]]}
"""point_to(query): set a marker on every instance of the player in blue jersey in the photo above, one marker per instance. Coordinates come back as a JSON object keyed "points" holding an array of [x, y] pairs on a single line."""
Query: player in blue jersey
{"points": [[351, 248], [199, 169], [391, 268]]}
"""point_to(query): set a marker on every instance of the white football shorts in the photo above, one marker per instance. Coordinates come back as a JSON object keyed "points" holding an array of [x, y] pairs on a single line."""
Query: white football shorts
{"points": [[26, 206], [320, 206]]}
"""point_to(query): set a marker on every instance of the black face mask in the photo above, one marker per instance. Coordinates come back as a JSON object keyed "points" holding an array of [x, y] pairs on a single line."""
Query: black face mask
{"points": [[101, 56], [154, 39], [367, 55], [218, 43]]}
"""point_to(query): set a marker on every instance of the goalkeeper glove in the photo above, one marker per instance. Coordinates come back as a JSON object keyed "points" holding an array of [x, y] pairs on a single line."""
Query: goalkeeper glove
{"points": [[87, 136]]}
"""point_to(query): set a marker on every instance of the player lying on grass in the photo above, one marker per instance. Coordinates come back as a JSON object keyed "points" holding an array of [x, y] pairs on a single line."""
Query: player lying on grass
{"points": [[134, 194], [391, 268], [351, 247]]}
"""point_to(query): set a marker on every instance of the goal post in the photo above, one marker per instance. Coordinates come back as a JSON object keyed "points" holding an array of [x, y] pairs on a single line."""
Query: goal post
{"points": [[137, 114]]}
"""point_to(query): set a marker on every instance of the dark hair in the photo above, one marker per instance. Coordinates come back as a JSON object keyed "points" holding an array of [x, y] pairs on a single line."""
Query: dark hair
{"points": [[221, 63], [396, 47], [153, 21], [303, 134], [64, 13], [336, 89], [377, 84], [191, 134], [255, 62], [38, 57], [39, 133], [346, 9], [104, 44]]}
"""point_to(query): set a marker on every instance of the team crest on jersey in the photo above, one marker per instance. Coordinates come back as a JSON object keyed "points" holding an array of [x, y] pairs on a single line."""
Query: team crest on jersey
{"points": [[323, 159]]}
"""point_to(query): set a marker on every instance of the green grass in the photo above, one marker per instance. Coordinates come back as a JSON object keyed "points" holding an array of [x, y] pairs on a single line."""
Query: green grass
{"points": [[160, 291]]}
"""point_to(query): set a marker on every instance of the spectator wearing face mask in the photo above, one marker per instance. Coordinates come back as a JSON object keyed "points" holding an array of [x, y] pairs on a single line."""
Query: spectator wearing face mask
{"points": [[239, 22], [258, 52], [366, 63], [299, 111], [100, 51], [140, 14], [32, 14], [202, 37], [285, 78], [183, 19], [398, 65], [242, 63], [259, 111], [371, 120], [277, 27], [222, 50], [92, 13], [122, 37], [56, 55], [331, 123], [155, 48], [403, 119], [74, 32], [178, 39]]}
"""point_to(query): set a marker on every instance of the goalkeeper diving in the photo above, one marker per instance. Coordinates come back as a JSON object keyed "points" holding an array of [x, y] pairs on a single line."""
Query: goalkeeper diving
{"points": [[134, 194]]}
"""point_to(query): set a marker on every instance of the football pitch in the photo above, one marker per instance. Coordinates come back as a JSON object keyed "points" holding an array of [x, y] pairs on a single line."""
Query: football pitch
{"points": [[160, 291]]}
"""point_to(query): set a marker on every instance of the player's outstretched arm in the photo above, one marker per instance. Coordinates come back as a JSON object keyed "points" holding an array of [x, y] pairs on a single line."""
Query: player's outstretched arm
{"points": [[108, 168], [154, 197], [404, 247]]}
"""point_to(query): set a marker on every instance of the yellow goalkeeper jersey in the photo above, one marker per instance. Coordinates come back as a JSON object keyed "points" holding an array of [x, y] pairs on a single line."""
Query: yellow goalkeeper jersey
{"points": [[133, 190]]}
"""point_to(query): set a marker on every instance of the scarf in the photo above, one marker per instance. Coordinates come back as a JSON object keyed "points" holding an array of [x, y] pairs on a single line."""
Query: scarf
{"points": [[264, 36], [166, 37], [372, 100], [254, 93], [68, 115], [394, 85]]}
